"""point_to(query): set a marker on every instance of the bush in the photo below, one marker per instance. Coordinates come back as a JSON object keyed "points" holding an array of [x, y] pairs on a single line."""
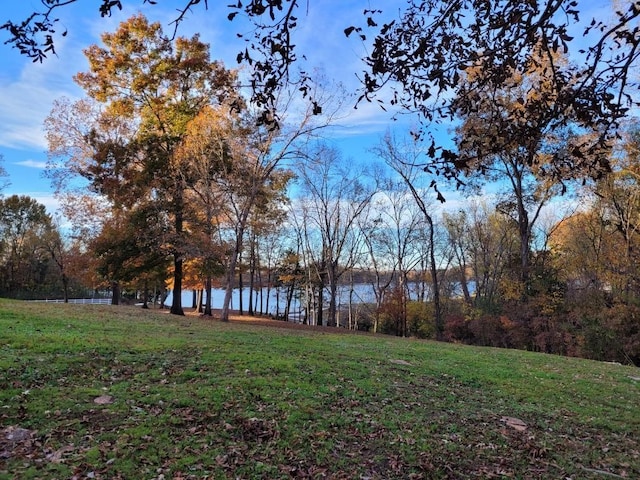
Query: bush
{"points": [[612, 334], [421, 320], [456, 330], [392, 314]]}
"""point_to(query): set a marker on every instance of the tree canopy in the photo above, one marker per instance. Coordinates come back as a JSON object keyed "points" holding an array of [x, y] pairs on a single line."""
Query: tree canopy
{"points": [[422, 54]]}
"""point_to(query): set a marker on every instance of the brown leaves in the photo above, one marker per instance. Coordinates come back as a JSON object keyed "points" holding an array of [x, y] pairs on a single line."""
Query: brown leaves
{"points": [[399, 362], [253, 429], [515, 423], [104, 400], [15, 441], [58, 455]]}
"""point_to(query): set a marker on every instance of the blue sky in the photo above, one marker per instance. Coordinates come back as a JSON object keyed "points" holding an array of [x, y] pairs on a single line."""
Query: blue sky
{"points": [[28, 89]]}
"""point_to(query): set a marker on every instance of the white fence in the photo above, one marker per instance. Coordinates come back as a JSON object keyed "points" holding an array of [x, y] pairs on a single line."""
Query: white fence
{"points": [[87, 301]]}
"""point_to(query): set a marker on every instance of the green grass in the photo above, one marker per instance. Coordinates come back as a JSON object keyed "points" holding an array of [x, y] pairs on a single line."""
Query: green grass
{"points": [[195, 398]]}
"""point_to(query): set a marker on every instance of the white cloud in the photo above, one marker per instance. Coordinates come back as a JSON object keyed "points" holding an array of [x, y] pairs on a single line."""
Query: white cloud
{"points": [[33, 164], [27, 95], [47, 199]]}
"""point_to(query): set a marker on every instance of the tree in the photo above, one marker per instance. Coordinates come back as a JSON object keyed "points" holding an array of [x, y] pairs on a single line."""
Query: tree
{"points": [[148, 89], [128, 252], [254, 180], [54, 244], [618, 198], [424, 56], [585, 247], [333, 200], [215, 138], [68, 129], [483, 244], [265, 226], [405, 161], [391, 238], [3, 174], [258, 174], [23, 259], [424, 52], [269, 248], [488, 148]]}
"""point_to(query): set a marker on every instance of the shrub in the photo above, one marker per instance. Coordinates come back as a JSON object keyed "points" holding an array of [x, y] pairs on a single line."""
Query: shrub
{"points": [[456, 330], [613, 334], [421, 320], [392, 313]]}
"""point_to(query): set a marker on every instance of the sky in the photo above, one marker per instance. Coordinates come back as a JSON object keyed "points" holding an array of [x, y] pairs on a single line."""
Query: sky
{"points": [[28, 89]]}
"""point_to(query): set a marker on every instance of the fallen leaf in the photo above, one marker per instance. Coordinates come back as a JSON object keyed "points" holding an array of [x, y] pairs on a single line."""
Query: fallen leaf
{"points": [[57, 456], [514, 423], [17, 434], [400, 362], [103, 400]]}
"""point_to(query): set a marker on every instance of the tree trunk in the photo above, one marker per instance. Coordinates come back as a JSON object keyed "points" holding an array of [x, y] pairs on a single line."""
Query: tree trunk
{"points": [[465, 286], [240, 292], [176, 304], [320, 305], [523, 222], [145, 295], [115, 293], [290, 290], [233, 263], [332, 320], [439, 320], [207, 305], [252, 271], [404, 298], [260, 294], [351, 324], [163, 298], [268, 294], [65, 288], [199, 300], [224, 316]]}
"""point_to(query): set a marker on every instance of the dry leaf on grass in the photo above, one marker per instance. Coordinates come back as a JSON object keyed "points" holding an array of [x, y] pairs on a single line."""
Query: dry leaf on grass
{"points": [[514, 423], [400, 362], [58, 455], [103, 400], [17, 434]]}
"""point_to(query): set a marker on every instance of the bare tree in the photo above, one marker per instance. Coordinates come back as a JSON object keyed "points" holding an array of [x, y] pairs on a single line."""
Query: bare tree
{"points": [[260, 167], [392, 239], [483, 243], [334, 198], [406, 161]]}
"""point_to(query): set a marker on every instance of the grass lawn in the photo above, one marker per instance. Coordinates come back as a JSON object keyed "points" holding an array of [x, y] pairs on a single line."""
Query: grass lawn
{"points": [[103, 392]]}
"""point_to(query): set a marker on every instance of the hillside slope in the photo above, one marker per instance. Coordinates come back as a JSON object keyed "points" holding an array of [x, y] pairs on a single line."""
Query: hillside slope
{"points": [[110, 392]]}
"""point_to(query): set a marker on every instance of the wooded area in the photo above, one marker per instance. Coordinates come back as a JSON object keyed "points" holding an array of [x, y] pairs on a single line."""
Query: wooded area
{"points": [[173, 178]]}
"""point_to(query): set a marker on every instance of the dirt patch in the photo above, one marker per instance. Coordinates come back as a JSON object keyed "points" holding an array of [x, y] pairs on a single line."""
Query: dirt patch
{"points": [[235, 317]]}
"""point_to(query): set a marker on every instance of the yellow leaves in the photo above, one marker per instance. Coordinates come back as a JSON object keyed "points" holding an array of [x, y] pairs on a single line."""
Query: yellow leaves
{"points": [[287, 278], [123, 108], [512, 290]]}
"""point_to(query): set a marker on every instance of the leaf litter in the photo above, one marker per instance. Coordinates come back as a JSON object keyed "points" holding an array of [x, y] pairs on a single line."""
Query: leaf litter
{"points": [[197, 419]]}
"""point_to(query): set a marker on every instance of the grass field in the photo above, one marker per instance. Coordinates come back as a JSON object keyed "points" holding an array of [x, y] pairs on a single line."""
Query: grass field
{"points": [[107, 392]]}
